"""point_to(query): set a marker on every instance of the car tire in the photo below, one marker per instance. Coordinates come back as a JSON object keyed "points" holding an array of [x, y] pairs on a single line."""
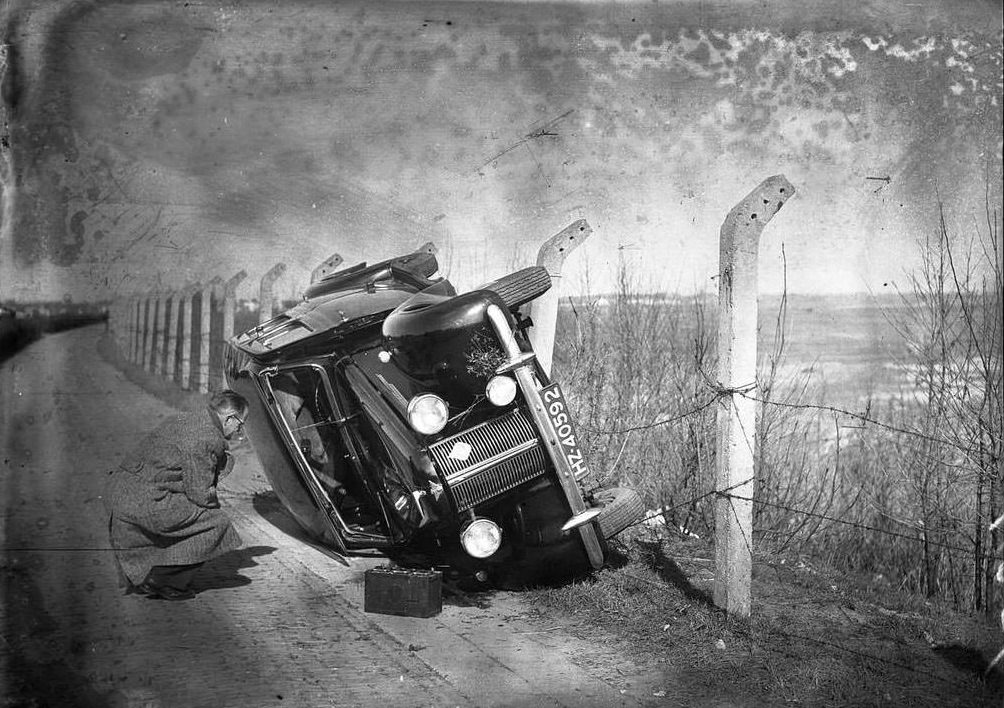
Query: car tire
{"points": [[520, 287], [621, 508]]}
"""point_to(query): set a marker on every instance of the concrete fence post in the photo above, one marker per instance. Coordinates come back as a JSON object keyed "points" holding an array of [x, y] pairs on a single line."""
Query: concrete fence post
{"points": [[205, 332], [544, 310], [117, 322], [120, 323], [229, 299], [171, 365], [137, 332], [230, 304], [326, 268], [739, 244], [265, 297], [148, 329], [134, 306], [187, 340], [160, 339]]}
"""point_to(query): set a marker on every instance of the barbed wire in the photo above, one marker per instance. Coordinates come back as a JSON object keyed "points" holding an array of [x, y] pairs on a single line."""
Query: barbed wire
{"points": [[856, 524], [720, 391], [859, 416], [654, 424], [663, 510]]}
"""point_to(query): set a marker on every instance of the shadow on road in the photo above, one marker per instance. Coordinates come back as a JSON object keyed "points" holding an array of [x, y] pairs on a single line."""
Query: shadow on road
{"points": [[224, 571], [267, 504]]}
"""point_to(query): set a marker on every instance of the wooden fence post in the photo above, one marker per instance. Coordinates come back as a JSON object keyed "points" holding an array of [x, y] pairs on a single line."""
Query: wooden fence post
{"points": [[544, 310], [739, 244], [265, 306], [186, 335]]}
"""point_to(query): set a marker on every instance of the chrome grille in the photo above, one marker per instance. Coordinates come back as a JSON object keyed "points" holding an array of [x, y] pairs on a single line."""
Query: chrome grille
{"points": [[496, 480], [503, 453]]}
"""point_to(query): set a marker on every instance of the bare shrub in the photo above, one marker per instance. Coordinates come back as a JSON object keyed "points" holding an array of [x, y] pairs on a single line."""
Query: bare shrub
{"points": [[633, 365], [928, 484]]}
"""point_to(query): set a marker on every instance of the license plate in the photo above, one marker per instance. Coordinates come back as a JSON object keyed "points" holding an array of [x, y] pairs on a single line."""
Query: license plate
{"points": [[561, 421]]}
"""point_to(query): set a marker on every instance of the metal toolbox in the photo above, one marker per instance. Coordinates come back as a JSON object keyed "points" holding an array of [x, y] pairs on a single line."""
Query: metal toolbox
{"points": [[403, 591]]}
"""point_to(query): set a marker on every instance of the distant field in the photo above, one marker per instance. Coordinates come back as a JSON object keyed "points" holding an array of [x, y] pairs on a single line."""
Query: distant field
{"points": [[844, 344], [847, 344]]}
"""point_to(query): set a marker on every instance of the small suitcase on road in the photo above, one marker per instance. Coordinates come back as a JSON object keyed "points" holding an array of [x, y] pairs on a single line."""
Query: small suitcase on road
{"points": [[403, 591]]}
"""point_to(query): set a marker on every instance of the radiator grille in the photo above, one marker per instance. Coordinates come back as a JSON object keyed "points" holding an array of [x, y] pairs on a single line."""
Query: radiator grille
{"points": [[503, 454], [496, 480]]}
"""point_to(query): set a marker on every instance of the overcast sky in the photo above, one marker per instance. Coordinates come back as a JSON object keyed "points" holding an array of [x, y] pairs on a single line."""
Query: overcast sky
{"points": [[169, 143]]}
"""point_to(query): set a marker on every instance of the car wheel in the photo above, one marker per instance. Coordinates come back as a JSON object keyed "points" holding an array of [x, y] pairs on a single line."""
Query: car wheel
{"points": [[520, 287], [621, 508]]}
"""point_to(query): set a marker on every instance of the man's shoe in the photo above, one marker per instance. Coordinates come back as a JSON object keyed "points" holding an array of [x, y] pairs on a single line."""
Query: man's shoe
{"points": [[144, 588]]}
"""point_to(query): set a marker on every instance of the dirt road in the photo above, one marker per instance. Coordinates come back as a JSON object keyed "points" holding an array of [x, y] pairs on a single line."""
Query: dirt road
{"points": [[277, 623]]}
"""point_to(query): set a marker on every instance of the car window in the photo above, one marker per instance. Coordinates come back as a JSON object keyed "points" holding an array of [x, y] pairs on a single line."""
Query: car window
{"points": [[302, 400]]}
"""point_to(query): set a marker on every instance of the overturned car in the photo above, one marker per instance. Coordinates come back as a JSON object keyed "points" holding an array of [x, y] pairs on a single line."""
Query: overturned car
{"points": [[390, 412]]}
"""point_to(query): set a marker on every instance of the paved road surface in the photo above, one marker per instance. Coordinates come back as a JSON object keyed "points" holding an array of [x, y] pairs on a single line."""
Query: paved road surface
{"points": [[278, 623]]}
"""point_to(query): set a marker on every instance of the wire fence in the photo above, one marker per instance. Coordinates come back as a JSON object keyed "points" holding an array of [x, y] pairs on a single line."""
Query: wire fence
{"points": [[725, 395]]}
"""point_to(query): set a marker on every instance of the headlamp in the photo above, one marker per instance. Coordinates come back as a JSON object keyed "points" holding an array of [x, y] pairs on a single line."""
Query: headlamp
{"points": [[428, 413], [481, 538], [501, 390]]}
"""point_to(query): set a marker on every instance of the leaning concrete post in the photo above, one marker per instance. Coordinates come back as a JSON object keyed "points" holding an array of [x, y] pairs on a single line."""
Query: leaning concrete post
{"points": [[327, 267], [134, 304], [137, 304], [172, 336], [228, 297], [151, 308], [160, 346], [186, 335], [737, 331], [121, 310], [544, 310], [265, 292], [205, 331], [230, 304], [117, 319]]}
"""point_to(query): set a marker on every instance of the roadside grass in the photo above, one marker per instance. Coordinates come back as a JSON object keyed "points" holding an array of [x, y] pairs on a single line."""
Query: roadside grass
{"points": [[816, 636]]}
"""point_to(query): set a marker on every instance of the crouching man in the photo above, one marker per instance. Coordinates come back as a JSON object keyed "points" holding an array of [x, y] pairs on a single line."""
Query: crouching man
{"points": [[166, 519]]}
